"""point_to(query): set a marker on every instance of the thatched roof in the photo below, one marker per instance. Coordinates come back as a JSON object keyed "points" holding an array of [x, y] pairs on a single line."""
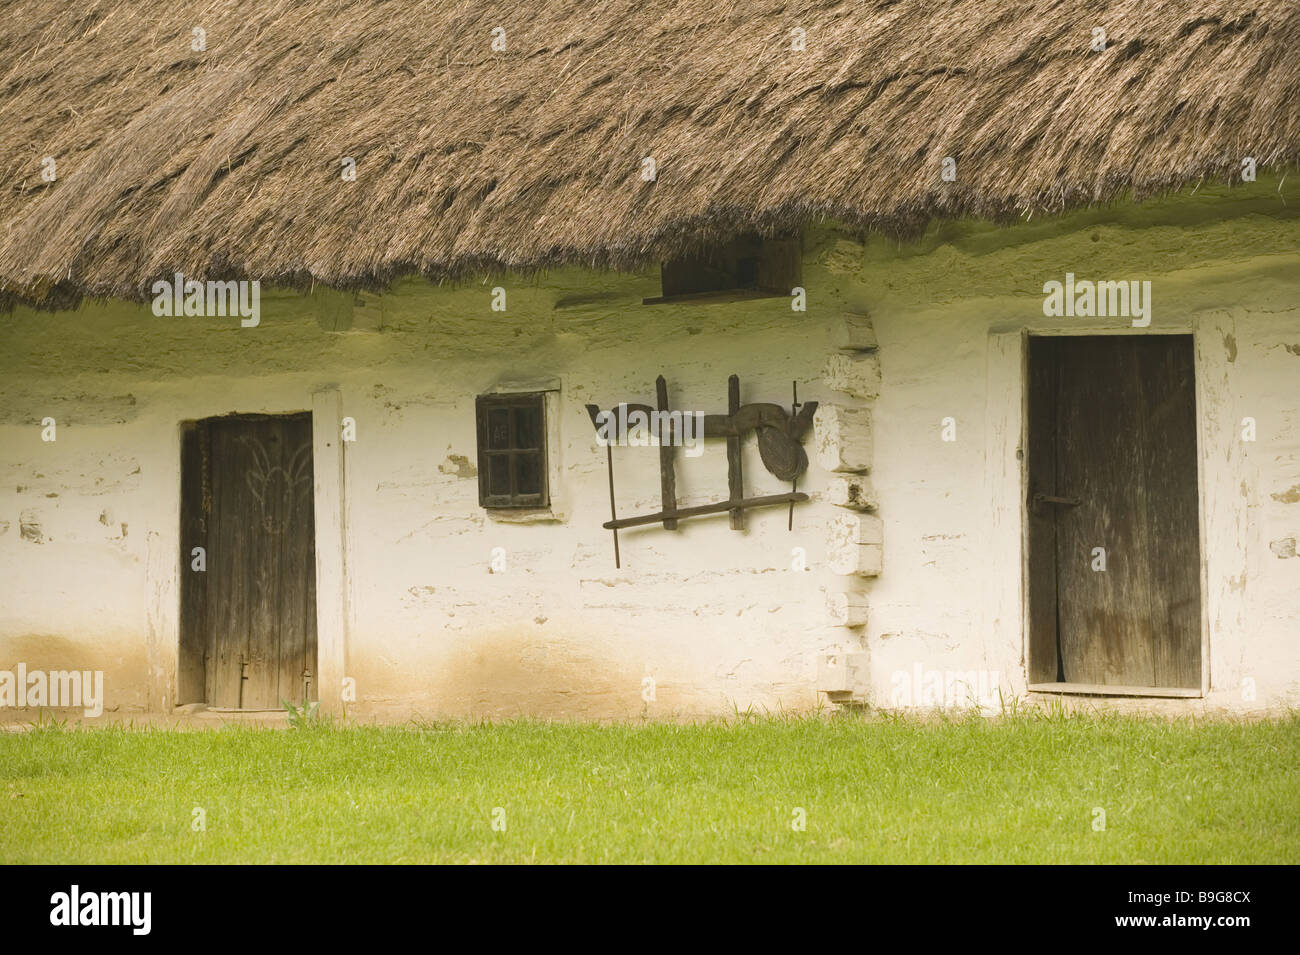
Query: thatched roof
{"points": [[227, 162]]}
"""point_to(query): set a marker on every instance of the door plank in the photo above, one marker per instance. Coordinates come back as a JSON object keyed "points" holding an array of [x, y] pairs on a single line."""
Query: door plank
{"points": [[228, 598], [262, 531], [296, 558], [1126, 447], [1175, 527], [1040, 456], [191, 682], [261, 625]]}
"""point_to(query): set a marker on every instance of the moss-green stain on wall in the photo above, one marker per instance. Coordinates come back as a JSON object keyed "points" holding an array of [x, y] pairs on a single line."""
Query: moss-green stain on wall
{"points": [[101, 347], [1212, 229]]}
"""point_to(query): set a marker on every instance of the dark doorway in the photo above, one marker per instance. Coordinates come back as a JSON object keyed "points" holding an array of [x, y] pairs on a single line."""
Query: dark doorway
{"points": [[1114, 552], [248, 621]]}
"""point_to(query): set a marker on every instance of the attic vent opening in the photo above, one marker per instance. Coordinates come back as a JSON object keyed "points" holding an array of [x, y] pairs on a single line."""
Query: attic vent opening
{"points": [[747, 266]]}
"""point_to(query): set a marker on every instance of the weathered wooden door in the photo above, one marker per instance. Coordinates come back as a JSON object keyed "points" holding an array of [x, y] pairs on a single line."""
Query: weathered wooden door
{"points": [[247, 490], [1114, 579]]}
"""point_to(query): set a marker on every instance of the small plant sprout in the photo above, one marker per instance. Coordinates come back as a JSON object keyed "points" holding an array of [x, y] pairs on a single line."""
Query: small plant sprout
{"points": [[306, 715]]}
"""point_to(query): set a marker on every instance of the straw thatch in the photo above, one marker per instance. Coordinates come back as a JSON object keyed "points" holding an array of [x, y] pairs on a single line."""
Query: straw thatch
{"points": [[226, 162]]}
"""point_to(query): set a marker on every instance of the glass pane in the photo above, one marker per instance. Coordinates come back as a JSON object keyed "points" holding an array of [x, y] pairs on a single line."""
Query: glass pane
{"points": [[499, 475], [498, 428], [528, 427], [528, 468]]}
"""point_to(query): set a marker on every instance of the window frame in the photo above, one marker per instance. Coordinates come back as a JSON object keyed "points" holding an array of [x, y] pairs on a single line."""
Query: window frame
{"points": [[776, 262], [515, 500]]}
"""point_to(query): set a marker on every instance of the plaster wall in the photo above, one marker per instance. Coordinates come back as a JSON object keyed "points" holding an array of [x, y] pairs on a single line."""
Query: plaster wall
{"points": [[89, 548]]}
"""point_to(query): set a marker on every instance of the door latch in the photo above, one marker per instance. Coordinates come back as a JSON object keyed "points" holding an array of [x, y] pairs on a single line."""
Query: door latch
{"points": [[1053, 499], [243, 678]]}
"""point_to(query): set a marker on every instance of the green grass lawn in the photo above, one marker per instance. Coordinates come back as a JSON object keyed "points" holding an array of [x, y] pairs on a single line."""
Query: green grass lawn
{"points": [[876, 789]]}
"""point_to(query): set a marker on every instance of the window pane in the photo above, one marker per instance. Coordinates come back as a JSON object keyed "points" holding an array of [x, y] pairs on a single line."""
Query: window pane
{"points": [[498, 428], [499, 475], [511, 450], [528, 427], [528, 470]]}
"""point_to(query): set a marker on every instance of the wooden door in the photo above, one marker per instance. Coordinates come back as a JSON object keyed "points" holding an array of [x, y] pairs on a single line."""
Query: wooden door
{"points": [[1114, 577], [247, 494]]}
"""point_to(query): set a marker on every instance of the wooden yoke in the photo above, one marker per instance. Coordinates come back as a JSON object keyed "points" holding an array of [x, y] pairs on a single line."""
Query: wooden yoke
{"points": [[780, 446]]}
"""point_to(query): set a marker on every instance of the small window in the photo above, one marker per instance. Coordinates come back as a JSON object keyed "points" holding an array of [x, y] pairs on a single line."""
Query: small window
{"points": [[749, 266], [512, 450]]}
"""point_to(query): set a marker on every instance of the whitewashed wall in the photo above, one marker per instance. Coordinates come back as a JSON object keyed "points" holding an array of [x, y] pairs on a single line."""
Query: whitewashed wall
{"points": [[718, 619], [949, 314]]}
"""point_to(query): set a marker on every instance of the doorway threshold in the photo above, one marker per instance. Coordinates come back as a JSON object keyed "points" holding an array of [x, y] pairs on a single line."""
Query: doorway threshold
{"points": [[1103, 689], [202, 711]]}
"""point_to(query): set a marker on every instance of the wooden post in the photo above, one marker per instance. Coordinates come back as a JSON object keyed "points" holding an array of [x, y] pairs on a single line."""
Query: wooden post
{"points": [[613, 514], [794, 484], [667, 467], [329, 473], [735, 479]]}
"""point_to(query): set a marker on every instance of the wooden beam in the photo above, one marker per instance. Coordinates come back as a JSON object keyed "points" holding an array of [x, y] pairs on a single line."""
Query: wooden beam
{"points": [[702, 509], [667, 472], [714, 298], [735, 479]]}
